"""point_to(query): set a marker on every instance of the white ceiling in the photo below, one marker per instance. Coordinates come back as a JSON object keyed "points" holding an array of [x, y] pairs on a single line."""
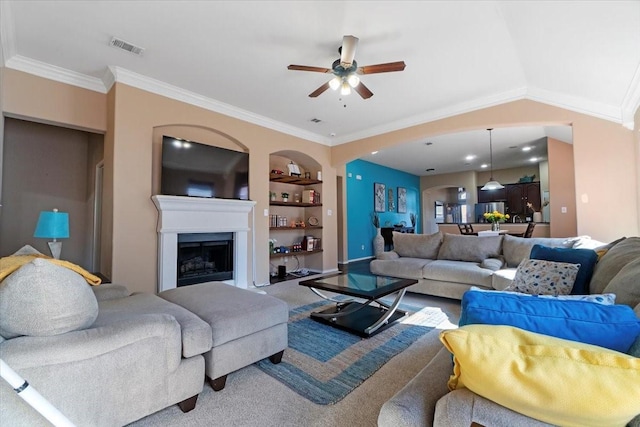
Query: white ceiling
{"points": [[232, 57]]}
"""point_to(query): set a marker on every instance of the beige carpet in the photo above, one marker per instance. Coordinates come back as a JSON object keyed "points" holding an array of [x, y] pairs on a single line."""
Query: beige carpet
{"points": [[253, 398]]}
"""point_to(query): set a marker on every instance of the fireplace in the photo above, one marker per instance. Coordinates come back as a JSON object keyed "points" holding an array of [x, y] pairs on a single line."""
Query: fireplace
{"points": [[180, 216], [204, 257]]}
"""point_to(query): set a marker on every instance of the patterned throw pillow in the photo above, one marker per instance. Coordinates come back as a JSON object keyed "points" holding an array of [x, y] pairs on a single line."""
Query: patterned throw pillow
{"points": [[539, 277]]}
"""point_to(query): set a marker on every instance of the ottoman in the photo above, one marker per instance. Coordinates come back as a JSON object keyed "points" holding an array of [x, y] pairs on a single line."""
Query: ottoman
{"points": [[247, 326]]}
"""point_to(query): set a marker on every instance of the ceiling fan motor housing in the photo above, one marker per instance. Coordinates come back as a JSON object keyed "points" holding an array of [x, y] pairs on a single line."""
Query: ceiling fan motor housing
{"points": [[340, 71]]}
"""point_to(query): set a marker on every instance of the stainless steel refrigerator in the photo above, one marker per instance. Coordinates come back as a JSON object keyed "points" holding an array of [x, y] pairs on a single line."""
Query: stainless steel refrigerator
{"points": [[482, 208]]}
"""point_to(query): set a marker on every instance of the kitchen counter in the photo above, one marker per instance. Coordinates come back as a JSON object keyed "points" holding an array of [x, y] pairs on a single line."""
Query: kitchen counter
{"points": [[541, 230]]}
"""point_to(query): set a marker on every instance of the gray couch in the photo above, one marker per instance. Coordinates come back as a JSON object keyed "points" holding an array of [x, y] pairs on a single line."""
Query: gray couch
{"points": [[447, 265], [105, 357], [426, 400], [99, 355]]}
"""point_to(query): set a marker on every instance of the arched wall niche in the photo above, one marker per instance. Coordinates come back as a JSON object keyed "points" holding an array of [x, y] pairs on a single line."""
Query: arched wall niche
{"points": [[195, 133]]}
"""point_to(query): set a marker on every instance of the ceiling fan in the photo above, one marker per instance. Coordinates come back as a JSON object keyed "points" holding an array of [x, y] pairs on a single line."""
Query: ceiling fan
{"points": [[346, 70]]}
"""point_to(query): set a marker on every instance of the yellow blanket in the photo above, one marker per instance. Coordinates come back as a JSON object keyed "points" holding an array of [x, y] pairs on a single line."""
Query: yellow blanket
{"points": [[11, 263]]}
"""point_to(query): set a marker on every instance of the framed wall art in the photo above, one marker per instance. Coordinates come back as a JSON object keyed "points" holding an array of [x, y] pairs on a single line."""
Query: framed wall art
{"points": [[379, 197], [392, 201], [402, 200]]}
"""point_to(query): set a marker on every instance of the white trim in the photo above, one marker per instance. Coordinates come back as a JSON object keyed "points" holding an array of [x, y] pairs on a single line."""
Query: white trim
{"points": [[463, 107], [577, 104], [631, 101], [122, 75], [52, 72], [7, 35]]}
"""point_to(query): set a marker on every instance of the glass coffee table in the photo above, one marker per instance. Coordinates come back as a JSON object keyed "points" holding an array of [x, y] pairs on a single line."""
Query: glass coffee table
{"points": [[361, 318]]}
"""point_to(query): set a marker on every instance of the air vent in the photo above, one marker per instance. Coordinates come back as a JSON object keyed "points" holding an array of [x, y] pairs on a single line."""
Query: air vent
{"points": [[121, 44], [314, 120]]}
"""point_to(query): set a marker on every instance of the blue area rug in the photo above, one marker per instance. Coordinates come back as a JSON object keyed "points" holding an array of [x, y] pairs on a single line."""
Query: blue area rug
{"points": [[324, 364]]}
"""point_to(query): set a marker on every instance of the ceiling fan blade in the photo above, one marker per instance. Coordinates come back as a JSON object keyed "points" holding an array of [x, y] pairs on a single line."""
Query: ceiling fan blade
{"points": [[308, 68], [382, 68], [319, 91], [348, 50], [363, 91]]}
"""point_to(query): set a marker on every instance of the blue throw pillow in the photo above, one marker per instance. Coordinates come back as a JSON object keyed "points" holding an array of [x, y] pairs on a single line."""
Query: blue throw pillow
{"points": [[611, 326], [587, 259]]}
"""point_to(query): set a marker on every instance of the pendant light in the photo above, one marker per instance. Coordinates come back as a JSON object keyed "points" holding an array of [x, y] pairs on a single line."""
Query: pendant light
{"points": [[491, 185]]}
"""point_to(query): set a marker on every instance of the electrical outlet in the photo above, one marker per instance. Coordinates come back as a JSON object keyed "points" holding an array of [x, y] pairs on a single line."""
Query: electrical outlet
{"points": [[563, 209], [362, 247]]}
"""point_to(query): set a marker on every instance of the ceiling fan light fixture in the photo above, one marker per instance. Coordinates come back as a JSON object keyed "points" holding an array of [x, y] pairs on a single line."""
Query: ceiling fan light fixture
{"points": [[492, 184], [345, 89], [353, 80], [335, 82]]}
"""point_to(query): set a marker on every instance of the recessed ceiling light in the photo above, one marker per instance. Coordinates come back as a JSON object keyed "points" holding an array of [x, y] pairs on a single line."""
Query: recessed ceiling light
{"points": [[527, 148], [430, 170], [470, 157], [374, 152], [484, 166], [533, 159]]}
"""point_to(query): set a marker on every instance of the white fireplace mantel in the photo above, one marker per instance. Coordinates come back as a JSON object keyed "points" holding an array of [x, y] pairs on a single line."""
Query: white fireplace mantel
{"points": [[179, 215]]}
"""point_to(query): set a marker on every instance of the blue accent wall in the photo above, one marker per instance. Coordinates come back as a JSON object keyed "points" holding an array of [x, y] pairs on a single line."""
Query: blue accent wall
{"points": [[360, 230]]}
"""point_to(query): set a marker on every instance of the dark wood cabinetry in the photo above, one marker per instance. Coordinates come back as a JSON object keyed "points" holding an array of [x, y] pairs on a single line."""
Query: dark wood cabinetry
{"points": [[518, 195], [487, 196]]}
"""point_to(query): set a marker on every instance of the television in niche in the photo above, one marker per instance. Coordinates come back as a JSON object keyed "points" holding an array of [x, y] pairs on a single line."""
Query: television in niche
{"points": [[199, 170]]}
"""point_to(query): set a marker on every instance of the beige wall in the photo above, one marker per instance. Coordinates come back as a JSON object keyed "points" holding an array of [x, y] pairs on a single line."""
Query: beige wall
{"points": [[605, 158], [561, 189], [136, 114]]}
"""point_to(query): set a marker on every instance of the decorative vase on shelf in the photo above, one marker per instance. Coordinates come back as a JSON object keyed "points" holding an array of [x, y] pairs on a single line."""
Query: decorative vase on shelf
{"points": [[495, 226], [378, 242]]}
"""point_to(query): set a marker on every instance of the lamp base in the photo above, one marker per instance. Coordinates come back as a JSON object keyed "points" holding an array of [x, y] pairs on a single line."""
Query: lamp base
{"points": [[56, 249]]}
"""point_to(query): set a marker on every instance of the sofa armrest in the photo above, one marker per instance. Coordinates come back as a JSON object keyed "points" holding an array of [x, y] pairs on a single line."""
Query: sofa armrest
{"points": [[388, 255], [464, 408], [110, 291], [150, 333], [414, 405]]}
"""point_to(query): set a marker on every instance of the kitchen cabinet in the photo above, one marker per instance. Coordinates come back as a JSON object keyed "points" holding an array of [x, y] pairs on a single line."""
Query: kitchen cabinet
{"points": [[487, 196], [517, 196]]}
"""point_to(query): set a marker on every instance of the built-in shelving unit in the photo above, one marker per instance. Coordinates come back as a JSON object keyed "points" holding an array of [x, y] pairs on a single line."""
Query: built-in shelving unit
{"points": [[296, 212]]}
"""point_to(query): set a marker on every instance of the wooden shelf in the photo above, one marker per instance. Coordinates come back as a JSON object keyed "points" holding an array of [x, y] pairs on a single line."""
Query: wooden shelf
{"points": [[274, 177], [308, 227], [294, 204], [299, 253]]}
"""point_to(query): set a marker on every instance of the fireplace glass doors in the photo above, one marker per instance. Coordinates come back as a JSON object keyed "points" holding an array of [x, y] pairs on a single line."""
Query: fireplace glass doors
{"points": [[204, 257]]}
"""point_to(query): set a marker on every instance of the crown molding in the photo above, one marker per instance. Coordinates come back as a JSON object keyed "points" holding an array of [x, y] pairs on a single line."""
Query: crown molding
{"points": [[52, 72], [577, 104], [122, 75], [7, 35], [631, 101], [443, 113]]}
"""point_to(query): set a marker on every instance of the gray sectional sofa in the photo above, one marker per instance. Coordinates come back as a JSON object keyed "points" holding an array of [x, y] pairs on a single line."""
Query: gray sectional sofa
{"points": [[105, 357], [447, 265], [426, 400]]}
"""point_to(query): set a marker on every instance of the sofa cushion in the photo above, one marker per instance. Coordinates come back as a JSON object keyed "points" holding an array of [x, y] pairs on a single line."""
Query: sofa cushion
{"points": [[587, 259], [515, 249], [456, 247], [469, 273], [626, 284], [536, 375], [43, 299], [195, 332], [613, 262], [610, 326], [539, 277], [405, 268], [417, 245]]}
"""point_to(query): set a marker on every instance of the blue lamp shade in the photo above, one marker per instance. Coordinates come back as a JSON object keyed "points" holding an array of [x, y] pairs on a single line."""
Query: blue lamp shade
{"points": [[52, 225]]}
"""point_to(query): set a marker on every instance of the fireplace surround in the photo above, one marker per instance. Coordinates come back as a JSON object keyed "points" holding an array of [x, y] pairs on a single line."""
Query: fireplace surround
{"points": [[192, 215]]}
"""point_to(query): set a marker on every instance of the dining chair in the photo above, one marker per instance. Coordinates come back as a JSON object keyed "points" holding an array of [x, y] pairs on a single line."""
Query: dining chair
{"points": [[465, 228], [529, 231]]}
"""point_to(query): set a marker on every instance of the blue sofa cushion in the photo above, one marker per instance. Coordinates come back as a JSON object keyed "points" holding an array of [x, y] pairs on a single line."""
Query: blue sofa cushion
{"points": [[587, 259], [611, 326]]}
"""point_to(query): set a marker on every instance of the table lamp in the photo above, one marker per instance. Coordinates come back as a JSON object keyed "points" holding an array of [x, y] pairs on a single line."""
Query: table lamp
{"points": [[53, 225]]}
